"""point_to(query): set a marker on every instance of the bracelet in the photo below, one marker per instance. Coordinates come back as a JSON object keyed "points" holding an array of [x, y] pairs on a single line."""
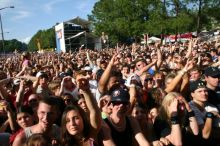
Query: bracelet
{"points": [[210, 115], [191, 114]]}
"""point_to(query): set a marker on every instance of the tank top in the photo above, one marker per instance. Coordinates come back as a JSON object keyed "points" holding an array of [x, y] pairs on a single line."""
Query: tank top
{"points": [[55, 132], [121, 138]]}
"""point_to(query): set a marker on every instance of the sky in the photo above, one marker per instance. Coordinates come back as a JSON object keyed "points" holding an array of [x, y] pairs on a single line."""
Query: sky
{"points": [[30, 16]]}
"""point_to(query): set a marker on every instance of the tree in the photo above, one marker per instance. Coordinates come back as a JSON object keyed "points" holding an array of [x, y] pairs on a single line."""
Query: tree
{"points": [[44, 38], [122, 19], [11, 45]]}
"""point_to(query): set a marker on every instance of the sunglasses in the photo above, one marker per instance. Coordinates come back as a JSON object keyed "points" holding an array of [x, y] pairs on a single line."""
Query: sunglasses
{"points": [[148, 79], [68, 100]]}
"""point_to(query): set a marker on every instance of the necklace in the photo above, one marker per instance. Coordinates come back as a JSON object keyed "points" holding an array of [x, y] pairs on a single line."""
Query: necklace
{"points": [[122, 127]]}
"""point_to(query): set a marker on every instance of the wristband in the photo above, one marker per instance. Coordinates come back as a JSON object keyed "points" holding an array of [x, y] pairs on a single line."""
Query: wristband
{"points": [[191, 114], [210, 115], [174, 120]]}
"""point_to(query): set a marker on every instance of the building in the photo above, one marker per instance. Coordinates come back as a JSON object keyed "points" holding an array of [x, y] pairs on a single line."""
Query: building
{"points": [[74, 33]]}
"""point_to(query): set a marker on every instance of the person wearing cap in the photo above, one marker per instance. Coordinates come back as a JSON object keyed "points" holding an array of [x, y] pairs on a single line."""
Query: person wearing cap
{"points": [[42, 84], [212, 75], [207, 115], [122, 127]]}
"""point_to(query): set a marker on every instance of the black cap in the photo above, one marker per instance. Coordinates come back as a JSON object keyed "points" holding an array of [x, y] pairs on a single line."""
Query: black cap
{"points": [[212, 71], [120, 95], [194, 85]]}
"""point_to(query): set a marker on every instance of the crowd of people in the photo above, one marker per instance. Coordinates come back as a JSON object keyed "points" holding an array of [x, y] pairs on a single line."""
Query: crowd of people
{"points": [[125, 96]]}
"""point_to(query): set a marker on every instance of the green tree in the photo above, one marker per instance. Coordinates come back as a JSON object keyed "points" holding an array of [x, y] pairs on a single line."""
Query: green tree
{"points": [[121, 19], [11, 45], [46, 39]]}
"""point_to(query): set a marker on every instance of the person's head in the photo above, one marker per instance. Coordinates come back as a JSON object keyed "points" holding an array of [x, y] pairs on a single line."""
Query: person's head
{"points": [[47, 112], [33, 100], [120, 101], [213, 52], [43, 78], [38, 139], [139, 112], [206, 59], [140, 63], [195, 74], [68, 99], [103, 64], [26, 55], [82, 103], [88, 72], [104, 103], [75, 125], [114, 79], [24, 116], [167, 100], [159, 78], [212, 75], [125, 69], [199, 91]]}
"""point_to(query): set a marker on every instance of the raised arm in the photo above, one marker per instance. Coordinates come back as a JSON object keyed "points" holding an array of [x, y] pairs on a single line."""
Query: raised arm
{"points": [[20, 94], [175, 137], [94, 112], [178, 77], [106, 75], [147, 67]]}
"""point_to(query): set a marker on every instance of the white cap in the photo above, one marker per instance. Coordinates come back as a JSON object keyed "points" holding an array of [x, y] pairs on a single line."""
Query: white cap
{"points": [[87, 68], [16, 81]]}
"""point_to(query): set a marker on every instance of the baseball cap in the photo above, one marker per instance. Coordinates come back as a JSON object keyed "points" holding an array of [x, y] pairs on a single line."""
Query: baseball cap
{"points": [[16, 82], [120, 95], [87, 68], [212, 71], [41, 74], [194, 85]]}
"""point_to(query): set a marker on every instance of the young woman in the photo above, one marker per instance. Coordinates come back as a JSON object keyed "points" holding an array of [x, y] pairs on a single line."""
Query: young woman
{"points": [[24, 119], [77, 129], [176, 121]]}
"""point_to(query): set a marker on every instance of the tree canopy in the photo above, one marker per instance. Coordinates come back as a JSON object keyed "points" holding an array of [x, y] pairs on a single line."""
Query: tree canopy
{"points": [[12, 45], [44, 39], [121, 19]]}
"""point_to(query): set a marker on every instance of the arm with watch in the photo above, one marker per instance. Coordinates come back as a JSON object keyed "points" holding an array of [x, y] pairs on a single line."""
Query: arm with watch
{"points": [[207, 128]]}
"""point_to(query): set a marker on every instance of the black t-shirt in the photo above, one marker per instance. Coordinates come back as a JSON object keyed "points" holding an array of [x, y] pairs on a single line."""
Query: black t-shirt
{"points": [[214, 97], [122, 138], [163, 129]]}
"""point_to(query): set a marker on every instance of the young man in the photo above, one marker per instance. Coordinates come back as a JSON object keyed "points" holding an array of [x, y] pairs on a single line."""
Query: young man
{"points": [[47, 114], [123, 128], [207, 115], [212, 75]]}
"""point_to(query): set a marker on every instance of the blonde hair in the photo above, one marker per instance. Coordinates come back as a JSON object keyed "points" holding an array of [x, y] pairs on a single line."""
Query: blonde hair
{"points": [[167, 100]]}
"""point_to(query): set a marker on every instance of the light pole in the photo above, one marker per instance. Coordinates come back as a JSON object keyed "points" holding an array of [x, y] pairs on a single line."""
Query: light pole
{"points": [[3, 43]]}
